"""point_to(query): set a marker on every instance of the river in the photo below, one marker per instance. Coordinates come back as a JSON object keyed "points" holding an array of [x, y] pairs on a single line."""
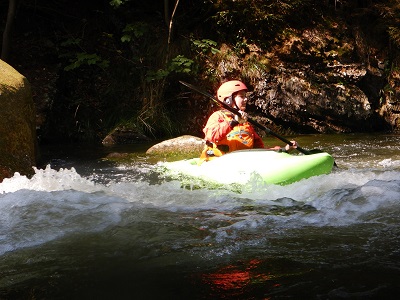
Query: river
{"points": [[87, 228]]}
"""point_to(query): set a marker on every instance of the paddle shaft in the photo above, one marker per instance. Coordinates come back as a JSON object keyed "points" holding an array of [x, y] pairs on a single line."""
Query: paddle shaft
{"points": [[251, 121]]}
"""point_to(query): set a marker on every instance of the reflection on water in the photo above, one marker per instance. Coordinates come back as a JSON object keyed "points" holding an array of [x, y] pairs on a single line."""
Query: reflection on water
{"points": [[83, 227], [233, 280]]}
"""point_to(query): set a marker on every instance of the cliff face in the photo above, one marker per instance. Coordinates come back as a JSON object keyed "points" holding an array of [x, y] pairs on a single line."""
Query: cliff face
{"points": [[17, 124], [389, 108], [327, 84], [331, 77]]}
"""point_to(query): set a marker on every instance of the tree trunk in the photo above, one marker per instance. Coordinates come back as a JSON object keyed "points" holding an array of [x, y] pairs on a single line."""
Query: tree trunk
{"points": [[166, 12], [5, 51], [170, 28]]}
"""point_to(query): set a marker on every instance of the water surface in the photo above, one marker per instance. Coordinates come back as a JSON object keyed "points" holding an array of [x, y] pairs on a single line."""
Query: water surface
{"points": [[87, 228]]}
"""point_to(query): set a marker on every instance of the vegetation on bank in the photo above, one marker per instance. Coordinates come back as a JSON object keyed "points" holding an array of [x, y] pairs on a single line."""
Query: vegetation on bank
{"points": [[95, 65]]}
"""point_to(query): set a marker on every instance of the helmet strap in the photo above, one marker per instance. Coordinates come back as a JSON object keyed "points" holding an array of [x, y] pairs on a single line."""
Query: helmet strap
{"points": [[233, 100]]}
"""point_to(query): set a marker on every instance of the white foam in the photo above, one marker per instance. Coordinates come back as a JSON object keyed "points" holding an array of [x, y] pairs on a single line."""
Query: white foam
{"points": [[48, 179]]}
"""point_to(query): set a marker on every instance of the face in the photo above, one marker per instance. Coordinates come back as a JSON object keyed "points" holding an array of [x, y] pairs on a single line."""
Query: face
{"points": [[241, 100]]}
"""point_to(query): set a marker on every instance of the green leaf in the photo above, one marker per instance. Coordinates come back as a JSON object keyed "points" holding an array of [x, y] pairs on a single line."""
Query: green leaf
{"points": [[117, 3], [126, 38], [84, 58], [71, 41]]}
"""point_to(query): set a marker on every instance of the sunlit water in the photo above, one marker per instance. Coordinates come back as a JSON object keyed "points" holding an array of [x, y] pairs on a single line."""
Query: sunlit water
{"points": [[86, 228]]}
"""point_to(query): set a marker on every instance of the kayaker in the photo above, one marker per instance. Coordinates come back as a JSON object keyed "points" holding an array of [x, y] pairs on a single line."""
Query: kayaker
{"points": [[226, 132]]}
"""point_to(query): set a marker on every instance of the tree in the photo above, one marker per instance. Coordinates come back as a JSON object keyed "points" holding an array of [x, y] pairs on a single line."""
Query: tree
{"points": [[5, 50]]}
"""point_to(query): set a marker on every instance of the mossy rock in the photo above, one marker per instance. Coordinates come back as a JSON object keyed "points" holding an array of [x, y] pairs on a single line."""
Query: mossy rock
{"points": [[186, 146], [18, 145], [123, 135]]}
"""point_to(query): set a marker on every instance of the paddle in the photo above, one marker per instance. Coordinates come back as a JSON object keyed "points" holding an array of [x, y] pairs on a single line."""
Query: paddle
{"points": [[251, 121]]}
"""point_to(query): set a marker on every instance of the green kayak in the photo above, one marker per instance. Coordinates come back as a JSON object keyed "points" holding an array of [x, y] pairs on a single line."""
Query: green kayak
{"points": [[240, 166]]}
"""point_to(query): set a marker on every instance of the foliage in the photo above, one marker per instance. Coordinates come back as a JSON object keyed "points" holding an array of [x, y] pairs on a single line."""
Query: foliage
{"points": [[178, 64], [257, 21], [390, 18], [205, 45], [78, 57], [83, 58], [394, 33], [183, 65], [210, 39], [117, 3], [134, 30]]}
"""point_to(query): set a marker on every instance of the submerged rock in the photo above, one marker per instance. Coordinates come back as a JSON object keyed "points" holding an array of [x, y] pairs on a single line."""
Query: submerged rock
{"points": [[123, 135]]}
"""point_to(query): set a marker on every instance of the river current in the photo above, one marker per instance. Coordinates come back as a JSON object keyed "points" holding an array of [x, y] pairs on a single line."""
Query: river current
{"points": [[88, 228]]}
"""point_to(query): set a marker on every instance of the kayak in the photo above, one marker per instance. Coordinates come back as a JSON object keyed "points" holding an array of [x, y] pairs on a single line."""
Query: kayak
{"points": [[239, 167]]}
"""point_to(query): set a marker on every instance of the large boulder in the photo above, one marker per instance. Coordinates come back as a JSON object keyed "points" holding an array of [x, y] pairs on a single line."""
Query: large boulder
{"points": [[18, 145]]}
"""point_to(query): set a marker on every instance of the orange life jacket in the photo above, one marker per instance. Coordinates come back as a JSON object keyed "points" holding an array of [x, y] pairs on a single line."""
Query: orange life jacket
{"points": [[239, 138]]}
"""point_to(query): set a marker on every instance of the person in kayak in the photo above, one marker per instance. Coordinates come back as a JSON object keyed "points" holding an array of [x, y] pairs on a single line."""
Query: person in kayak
{"points": [[226, 132]]}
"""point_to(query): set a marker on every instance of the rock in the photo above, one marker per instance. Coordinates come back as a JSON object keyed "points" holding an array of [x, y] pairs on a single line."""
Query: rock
{"points": [[124, 135], [18, 144], [183, 146], [390, 106]]}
